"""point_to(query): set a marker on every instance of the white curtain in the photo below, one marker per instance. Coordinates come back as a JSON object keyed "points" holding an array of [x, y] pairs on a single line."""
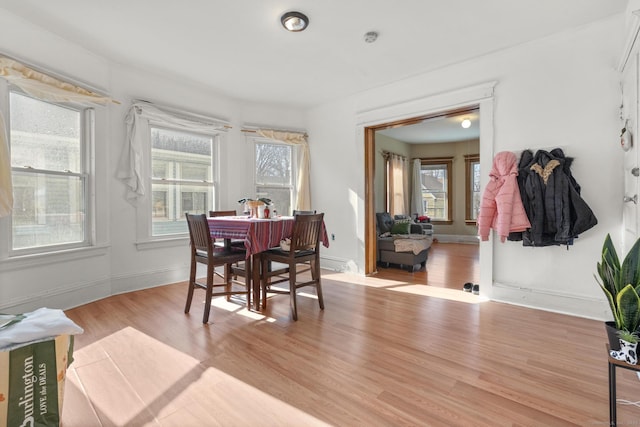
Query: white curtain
{"points": [[140, 115], [398, 181], [416, 189], [303, 197], [6, 189], [41, 86]]}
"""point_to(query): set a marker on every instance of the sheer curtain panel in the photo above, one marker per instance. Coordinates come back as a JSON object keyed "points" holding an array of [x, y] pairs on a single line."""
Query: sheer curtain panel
{"points": [[303, 196], [398, 184]]}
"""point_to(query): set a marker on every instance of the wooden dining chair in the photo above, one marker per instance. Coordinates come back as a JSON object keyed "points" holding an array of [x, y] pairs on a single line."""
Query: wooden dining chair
{"points": [[203, 251], [299, 212], [234, 242], [304, 249]]}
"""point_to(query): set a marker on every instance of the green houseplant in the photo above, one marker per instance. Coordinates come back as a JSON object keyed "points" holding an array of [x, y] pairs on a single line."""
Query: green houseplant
{"points": [[621, 285]]}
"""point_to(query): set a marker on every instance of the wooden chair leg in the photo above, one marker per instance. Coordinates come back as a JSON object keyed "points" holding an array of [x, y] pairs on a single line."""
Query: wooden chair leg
{"points": [[292, 291], [192, 285], [264, 264], [227, 280], [209, 295], [248, 282], [315, 272]]}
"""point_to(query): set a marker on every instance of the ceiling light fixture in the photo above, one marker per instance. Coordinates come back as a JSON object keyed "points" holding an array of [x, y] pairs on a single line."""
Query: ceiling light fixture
{"points": [[370, 37], [466, 123], [294, 21]]}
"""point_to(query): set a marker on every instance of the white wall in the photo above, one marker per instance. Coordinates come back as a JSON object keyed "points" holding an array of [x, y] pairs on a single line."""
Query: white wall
{"points": [[118, 264], [561, 91]]}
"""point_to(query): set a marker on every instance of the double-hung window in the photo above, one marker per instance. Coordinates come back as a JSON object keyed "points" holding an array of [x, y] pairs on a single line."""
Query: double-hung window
{"points": [[50, 145], [472, 187], [435, 174], [182, 178], [275, 174]]}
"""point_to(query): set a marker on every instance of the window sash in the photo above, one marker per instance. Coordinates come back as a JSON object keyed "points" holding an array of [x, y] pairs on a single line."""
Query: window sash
{"points": [[472, 188], [272, 189], [172, 195], [437, 201], [50, 230]]}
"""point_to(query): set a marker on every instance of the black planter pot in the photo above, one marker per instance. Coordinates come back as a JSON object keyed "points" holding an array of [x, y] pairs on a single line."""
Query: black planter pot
{"points": [[612, 334]]}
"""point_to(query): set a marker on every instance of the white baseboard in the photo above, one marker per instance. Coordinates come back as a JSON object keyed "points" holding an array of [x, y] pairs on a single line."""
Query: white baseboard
{"points": [[338, 264], [456, 238], [62, 297], [149, 279], [551, 300]]}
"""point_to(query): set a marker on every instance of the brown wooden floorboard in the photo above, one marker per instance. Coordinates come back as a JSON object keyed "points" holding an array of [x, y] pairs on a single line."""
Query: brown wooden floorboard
{"points": [[394, 349]]}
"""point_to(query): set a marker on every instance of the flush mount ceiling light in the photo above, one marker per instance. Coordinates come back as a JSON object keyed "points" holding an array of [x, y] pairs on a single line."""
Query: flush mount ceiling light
{"points": [[466, 123], [294, 21], [370, 37]]}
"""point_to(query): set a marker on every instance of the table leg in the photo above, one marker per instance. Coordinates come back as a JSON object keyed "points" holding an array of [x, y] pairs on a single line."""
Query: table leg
{"points": [[256, 261], [612, 395]]}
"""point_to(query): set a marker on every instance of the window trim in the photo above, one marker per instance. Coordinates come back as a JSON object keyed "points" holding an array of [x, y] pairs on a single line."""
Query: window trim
{"points": [[469, 161], [86, 174], [448, 162]]}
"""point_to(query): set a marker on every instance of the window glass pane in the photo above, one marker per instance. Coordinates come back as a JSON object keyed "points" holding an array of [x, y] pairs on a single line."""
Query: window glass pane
{"points": [[48, 210], [434, 190], [475, 188], [273, 164], [44, 135], [181, 155], [185, 161], [280, 198]]}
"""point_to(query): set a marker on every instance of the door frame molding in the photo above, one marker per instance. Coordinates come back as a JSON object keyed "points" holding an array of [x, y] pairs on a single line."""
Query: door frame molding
{"points": [[411, 112]]}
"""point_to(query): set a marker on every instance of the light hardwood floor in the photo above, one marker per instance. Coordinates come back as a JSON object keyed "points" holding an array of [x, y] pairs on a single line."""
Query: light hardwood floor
{"points": [[396, 349]]}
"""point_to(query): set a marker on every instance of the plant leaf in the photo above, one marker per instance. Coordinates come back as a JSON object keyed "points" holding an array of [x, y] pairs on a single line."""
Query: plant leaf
{"points": [[630, 270], [612, 305], [629, 308]]}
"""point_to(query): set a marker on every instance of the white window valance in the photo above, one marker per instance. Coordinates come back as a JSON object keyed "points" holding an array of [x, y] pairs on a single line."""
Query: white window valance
{"points": [[138, 120], [303, 187], [46, 87]]}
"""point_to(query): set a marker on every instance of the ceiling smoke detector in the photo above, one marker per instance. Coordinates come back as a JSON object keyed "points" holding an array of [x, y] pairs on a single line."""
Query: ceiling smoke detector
{"points": [[370, 37]]}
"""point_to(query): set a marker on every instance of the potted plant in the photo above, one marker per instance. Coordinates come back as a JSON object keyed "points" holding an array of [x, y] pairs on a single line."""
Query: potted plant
{"points": [[628, 347], [251, 205], [621, 285]]}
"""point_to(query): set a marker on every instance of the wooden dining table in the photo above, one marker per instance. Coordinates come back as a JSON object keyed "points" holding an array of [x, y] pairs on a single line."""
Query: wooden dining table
{"points": [[258, 235]]}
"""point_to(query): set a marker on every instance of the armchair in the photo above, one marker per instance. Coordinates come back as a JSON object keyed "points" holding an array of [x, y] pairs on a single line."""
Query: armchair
{"points": [[389, 252]]}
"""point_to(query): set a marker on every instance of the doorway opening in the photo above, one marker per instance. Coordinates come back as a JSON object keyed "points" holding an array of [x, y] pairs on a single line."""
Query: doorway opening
{"points": [[420, 123]]}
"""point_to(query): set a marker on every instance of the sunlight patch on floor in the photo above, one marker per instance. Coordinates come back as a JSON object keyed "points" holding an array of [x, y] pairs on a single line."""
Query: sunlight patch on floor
{"points": [[130, 378], [412, 288], [357, 279], [444, 293], [242, 310]]}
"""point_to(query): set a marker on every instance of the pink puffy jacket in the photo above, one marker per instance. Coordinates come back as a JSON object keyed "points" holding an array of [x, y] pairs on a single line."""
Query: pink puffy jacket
{"points": [[501, 206]]}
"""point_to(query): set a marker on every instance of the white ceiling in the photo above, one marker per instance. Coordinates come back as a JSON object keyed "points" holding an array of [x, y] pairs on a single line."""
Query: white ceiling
{"points": [[238, 48], [437, 130]]}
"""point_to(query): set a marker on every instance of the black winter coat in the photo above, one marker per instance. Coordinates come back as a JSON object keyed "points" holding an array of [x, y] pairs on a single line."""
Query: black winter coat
{"points": [[551, 197]]}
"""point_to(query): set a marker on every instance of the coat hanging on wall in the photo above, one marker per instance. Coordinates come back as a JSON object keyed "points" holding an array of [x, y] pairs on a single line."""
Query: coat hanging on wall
{"points": [[551, 198], [501, 206]]}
